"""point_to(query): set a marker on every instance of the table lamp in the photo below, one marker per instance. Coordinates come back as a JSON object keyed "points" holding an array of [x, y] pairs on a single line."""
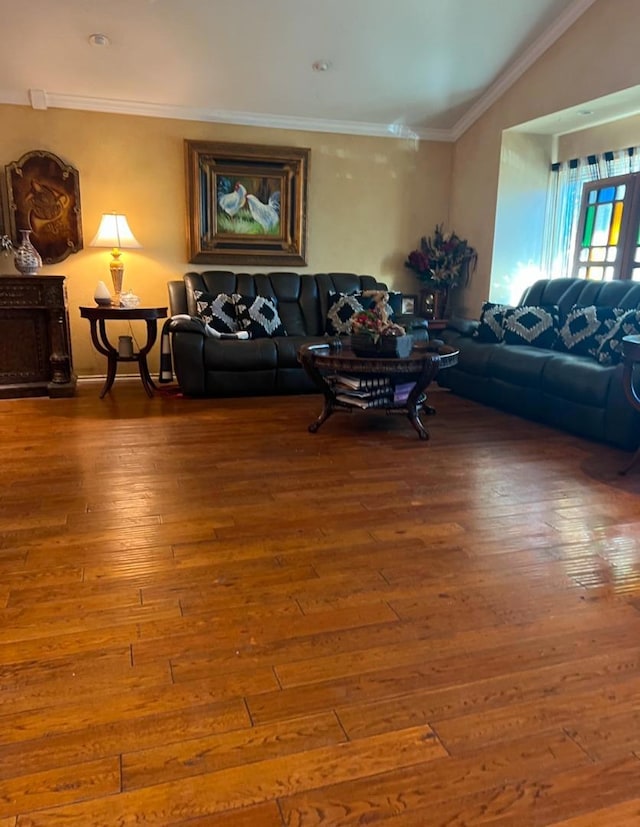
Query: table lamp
{"points": [[114, 232]]}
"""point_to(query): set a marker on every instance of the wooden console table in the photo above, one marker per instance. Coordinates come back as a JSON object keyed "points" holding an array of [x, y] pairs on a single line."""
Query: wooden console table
{"points": [[99, 315], [35, 345]]}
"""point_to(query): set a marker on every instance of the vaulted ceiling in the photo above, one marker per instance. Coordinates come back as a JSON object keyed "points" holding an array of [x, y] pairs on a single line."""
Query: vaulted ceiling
{"points": [[425, 68]]}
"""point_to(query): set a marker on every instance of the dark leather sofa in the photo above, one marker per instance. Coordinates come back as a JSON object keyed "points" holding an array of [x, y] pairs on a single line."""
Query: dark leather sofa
{"points": [[222, 367], [572, 392]]}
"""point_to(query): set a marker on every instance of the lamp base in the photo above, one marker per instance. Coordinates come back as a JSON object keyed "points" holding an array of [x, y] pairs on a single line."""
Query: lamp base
{"points": [[117, 273]]}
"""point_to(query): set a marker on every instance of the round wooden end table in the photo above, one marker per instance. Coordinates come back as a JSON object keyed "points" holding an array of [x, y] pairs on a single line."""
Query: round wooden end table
{"points": [[98, 316], [322, 363], [631, 350]]}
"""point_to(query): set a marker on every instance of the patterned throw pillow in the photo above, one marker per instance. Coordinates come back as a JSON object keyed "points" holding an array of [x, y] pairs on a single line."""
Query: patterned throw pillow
{"points": [[534, 326], [491, 327], [258, 315], [217, 311], [585, 328], [393, 305], [342, 308], [610, 350]]}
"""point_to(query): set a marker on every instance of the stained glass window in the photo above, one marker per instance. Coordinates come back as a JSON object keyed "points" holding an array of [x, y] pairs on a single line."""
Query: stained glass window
{"points": [[608, 229]]}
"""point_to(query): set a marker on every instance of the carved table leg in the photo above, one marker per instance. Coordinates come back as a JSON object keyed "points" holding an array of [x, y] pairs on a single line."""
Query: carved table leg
{"points": [[147, 382], [326, 412], [112, 366], [416, 403], [413, 413]]}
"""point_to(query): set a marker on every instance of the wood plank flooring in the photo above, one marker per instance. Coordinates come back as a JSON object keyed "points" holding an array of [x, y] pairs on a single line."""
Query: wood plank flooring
{"points": [[209, 616]]}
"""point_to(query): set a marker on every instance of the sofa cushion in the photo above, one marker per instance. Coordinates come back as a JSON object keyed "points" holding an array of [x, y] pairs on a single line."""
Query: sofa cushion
{"points": [[235, 355], [518, 364], [342, 308], [289, 346], [577, 378], [585, 328], [610, 350], [491, 326], [258, 315], [217, 311], [536, 326]]}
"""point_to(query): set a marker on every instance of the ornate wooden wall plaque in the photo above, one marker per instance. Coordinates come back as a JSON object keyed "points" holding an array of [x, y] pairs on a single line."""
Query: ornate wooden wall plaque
{"points": [[43, 195]]}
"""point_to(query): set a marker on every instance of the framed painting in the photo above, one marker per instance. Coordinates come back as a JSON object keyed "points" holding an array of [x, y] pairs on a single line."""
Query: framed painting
{"points": [[409, 304], [43, 195], [246, 204]]}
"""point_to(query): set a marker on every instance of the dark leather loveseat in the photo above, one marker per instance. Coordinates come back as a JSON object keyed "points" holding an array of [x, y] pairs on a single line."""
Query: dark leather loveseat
{"points": [[573, 392], [221, 367]]}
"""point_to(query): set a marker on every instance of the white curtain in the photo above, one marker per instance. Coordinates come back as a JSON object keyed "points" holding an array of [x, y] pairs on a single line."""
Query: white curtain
{"points": [[563, 202]]}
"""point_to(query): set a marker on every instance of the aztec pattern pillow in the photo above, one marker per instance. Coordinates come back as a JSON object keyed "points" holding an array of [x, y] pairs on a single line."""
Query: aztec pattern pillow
{"points": [[342, 307], [610, 350], [258, 315], [585, 328], [491, 327], [218, 312], [534, 326]]}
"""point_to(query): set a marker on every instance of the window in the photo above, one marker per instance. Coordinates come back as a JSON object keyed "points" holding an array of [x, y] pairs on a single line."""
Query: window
{"points": [[607, 245], [566, 214]]}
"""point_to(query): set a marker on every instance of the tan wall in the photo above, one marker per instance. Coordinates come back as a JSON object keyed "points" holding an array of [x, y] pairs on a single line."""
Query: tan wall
{"points": [[370, 199], [610, 136], [577, 68]]}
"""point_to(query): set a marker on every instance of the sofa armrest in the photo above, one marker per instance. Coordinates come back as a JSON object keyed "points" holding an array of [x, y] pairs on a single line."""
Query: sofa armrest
{"points": [[466, 327], [187, 344], [183, 323], [410, 322]]}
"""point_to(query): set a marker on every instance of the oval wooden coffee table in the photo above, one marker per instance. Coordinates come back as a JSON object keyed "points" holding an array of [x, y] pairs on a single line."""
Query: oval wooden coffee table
{"points": [[322, 363]]}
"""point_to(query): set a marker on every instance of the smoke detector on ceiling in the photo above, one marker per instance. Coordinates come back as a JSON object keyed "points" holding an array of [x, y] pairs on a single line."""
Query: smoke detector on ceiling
{"points": [[321, 66]]}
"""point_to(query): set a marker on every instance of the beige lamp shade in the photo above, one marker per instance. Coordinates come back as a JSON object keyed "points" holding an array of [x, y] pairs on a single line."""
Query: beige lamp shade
{"points": [[114, 232]]}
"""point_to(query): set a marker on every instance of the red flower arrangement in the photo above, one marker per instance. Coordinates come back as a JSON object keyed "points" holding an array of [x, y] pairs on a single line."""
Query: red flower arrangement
{"points": [[375, 324], [443, 260]]}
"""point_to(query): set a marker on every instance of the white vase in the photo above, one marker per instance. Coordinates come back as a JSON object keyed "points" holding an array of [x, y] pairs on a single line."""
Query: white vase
{"points": [[26, 257]]}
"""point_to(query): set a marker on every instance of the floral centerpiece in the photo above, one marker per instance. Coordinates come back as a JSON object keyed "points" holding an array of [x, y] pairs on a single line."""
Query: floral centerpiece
{"points": [[374, 323], [443, 260], [374, 334]]}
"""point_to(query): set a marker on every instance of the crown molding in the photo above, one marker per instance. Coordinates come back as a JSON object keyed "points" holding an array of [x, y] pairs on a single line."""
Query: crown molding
{"points": [[47, 100], [566, 19]]}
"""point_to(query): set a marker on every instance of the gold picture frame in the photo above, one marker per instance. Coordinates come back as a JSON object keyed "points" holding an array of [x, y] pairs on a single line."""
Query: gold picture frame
{"points": [[246, 203], [409, 304]]}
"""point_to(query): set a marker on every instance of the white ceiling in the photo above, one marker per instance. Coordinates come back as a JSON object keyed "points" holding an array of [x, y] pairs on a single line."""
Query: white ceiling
{"points": [[418, 67]]}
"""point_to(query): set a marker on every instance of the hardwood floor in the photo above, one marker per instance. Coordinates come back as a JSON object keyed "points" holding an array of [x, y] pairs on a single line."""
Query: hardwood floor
{"points": [[211, 617]]}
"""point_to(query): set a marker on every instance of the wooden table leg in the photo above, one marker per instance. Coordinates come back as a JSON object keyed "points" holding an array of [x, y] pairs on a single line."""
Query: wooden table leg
{"points": [[326, 412], [147, 382], [112, 367]]}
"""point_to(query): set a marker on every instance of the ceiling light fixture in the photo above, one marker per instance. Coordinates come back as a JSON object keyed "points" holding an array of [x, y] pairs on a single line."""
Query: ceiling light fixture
{"points": [[99, 40], [320, 66]]}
